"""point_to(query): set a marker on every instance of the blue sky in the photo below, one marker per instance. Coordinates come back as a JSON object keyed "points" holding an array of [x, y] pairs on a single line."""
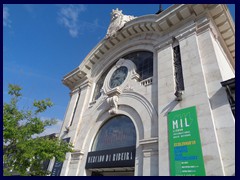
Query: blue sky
{"points": [[42, 43]]}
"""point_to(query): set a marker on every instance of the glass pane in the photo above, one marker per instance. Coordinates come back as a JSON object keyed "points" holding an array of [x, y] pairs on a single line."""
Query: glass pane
{"points": [[117, 132], [143, 61]]}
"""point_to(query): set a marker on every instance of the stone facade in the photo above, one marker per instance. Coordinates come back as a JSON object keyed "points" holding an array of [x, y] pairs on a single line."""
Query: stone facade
{"points": [[205, 34]]}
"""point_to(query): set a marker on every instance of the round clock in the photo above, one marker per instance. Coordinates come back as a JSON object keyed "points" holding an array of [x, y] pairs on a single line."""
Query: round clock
{"points": [[118, 76]]}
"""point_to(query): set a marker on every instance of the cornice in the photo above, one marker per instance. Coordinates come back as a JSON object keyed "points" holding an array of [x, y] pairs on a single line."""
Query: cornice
{"points": [[160, 24]]}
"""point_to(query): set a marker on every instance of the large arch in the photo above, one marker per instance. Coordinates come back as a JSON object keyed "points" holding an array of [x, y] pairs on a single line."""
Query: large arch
{"points": [[122, 49], [138, 109]]}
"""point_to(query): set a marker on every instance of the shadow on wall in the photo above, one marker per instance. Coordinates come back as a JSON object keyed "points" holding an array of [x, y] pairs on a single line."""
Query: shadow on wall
{"points": [[170, 107], [218, 99]]}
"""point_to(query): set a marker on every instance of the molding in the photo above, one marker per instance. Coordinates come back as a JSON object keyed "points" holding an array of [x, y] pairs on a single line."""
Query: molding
{"points": [[148, 141], [75, 91], [203, 25], [114, 92], [149, 153], [188, 31], [141, 99], [85, 84], [164, 44], [76, 157]]}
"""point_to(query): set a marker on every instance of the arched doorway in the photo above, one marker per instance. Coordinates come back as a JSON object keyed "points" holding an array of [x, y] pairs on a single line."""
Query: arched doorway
{"points": [[114, 148]]}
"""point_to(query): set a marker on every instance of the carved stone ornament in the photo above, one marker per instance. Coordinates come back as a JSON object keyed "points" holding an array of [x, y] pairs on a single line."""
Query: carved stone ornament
{"points": [[128, 88], [117, 22], [113, 102]]}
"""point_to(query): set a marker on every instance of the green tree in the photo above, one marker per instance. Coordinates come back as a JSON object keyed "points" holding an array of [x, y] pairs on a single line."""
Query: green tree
{"points": [[24, 152]]}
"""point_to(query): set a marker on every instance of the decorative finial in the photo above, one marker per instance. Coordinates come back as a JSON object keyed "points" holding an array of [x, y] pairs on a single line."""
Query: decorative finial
{"points": [[116, 11]]}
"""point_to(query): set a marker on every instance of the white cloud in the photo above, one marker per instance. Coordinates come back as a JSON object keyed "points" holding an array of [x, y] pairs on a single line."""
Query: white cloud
{"points": [[52, 129], [6, 20], [68, 17]]}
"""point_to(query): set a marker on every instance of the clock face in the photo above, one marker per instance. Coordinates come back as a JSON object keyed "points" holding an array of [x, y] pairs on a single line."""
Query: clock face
{"points": [[118, 76]]}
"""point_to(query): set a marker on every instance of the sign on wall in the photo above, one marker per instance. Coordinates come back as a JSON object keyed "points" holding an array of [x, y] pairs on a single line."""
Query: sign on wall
{"points": [[186, 157], [57, 167], [119, 157]]}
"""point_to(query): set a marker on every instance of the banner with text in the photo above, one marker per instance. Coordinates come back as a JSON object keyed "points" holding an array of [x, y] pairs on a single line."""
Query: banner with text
{"points": [[119, 157], [186, 157]]}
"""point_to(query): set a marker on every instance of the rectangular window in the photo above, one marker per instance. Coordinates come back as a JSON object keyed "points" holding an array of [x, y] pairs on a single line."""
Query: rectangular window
{"points": [[178, 69]]}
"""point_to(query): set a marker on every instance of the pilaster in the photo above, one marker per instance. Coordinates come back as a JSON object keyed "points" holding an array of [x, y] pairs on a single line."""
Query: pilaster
{"points": [[223, 119], [195, 94], [69, 113], [150, 156], [166, 90], [81, 106]]}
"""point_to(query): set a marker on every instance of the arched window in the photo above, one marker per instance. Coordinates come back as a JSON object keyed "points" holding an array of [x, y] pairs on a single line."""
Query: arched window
{"points": [[98, 87], [117, 132]]}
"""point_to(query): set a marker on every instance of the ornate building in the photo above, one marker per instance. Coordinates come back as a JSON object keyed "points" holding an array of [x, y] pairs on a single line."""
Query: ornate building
{"points": [[148, 99]]}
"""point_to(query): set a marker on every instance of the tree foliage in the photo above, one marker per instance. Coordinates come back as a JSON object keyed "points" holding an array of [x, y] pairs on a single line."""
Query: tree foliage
{"points": [[24, 153]]}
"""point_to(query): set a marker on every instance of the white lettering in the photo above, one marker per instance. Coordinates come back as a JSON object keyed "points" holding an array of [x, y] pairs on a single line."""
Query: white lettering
{"points": [[127, 156], [181, 123], [175, 124], [186, 122]]}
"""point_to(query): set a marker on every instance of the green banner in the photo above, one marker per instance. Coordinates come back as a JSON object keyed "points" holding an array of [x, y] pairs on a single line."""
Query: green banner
{"points": [[186, 157]]}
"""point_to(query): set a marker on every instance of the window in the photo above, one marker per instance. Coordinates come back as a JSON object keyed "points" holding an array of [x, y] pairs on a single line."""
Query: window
{"points": [[230, 89], [143, 61], [117, 132], [99, 85]]}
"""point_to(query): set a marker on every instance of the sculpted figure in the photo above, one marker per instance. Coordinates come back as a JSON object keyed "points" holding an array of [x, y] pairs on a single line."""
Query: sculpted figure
{"points": [[113, 102], [118, 19]]}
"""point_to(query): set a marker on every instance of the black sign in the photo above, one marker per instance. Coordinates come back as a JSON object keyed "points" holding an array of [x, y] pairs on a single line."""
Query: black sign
{"points": [[120, 157], [57, 167]]}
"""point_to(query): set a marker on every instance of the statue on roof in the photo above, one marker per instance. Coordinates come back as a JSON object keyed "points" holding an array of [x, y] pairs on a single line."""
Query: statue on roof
{"points": [[118, 19]]}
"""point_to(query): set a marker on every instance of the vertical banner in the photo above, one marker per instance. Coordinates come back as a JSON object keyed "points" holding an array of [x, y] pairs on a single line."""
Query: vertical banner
{"points": [[57, 167], [186, 157]]}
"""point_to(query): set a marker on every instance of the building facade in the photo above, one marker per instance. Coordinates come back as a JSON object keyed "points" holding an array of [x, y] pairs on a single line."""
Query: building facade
{"points": [[145, 71]]}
